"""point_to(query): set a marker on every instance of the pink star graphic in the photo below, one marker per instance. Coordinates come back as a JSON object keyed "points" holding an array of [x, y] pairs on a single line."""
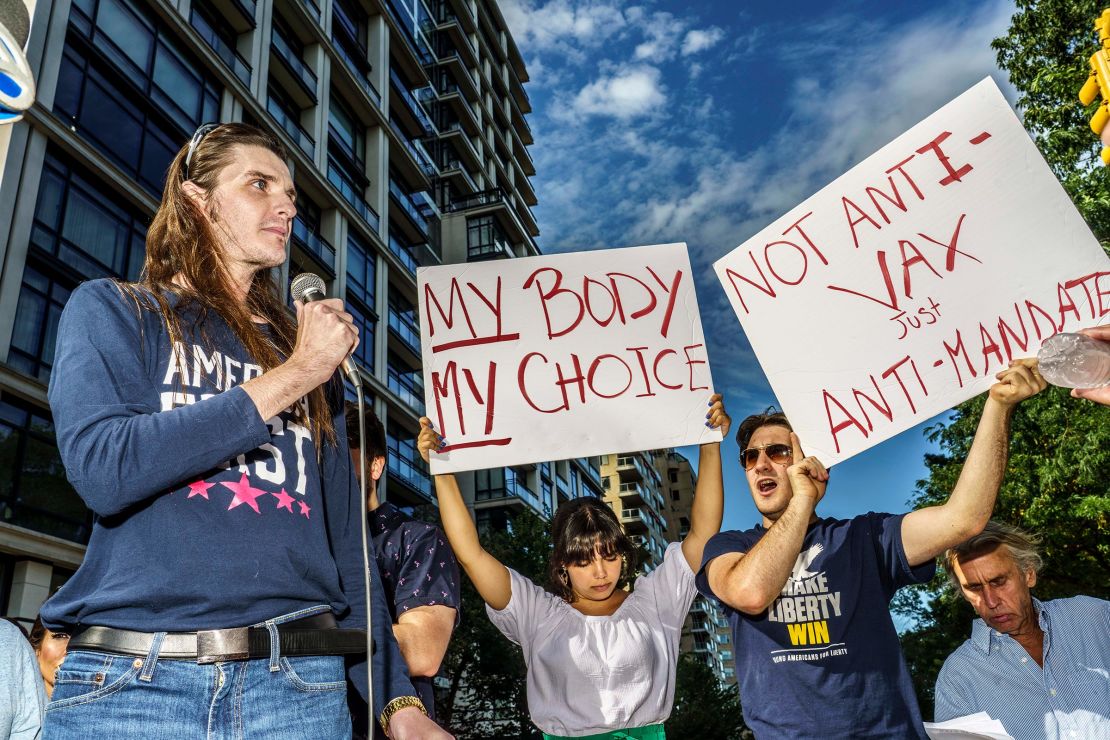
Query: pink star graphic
{"points": [[200, 488], [304, 508], [285, 501], [244, 494]]}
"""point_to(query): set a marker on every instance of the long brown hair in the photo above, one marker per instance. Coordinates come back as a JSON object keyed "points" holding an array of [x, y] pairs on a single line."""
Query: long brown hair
{"points": [[181, 242]]}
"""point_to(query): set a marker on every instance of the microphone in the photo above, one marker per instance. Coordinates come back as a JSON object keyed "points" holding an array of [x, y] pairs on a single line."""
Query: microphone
{"points": [[308, 287]]}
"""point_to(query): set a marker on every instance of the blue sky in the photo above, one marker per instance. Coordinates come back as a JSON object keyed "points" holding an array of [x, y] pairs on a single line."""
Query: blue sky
{"points": [[656, 123]]}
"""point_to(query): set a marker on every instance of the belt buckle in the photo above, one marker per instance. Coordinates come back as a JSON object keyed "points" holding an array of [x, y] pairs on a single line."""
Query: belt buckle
{"points": [[214, 646]]}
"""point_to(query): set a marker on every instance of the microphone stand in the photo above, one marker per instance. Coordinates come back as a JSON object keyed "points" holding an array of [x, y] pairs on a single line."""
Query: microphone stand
{"points": [[356, 380]]}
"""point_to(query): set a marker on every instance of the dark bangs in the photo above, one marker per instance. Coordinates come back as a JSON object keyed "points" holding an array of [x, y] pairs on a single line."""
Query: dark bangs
{"points": [[583, 527]]}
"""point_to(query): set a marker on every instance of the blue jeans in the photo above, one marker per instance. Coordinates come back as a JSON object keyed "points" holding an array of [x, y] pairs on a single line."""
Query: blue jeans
{"points": [[122, 697]]}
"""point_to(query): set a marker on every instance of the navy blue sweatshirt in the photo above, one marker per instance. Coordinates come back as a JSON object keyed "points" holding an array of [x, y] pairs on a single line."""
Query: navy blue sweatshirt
{"points": [[206, 515]]}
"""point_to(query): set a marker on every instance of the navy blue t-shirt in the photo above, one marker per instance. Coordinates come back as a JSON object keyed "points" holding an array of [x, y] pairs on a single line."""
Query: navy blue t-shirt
{"points": [[418, 568], [824, 660], [206, 515]]}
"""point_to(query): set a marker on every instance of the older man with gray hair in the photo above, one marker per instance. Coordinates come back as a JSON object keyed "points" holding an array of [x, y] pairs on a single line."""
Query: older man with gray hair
{"points": [[1040, 667]]}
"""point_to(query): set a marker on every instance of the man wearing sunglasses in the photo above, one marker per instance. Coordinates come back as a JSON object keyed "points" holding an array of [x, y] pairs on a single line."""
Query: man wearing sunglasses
{"points": [[808, 597]]}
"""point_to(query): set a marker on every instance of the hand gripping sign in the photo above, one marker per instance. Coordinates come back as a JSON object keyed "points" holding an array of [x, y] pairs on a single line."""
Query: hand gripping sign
{"points": [[901, 288], [562, 356]]}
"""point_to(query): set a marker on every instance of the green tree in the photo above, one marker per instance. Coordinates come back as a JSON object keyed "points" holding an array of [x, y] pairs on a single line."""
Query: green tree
{"points": [[486, 696], [1056, 483], [703, 708]]}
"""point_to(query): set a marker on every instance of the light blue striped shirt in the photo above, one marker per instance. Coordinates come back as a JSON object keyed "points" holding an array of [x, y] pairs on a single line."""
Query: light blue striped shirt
{"points": [[1069, 698]]}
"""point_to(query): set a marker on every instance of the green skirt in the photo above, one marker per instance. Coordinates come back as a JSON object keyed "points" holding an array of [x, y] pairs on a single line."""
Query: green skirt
{"points": [[650, 732]]}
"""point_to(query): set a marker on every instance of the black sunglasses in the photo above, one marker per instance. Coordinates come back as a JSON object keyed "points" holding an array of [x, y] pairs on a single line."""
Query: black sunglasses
{"points": [[777, 453]]}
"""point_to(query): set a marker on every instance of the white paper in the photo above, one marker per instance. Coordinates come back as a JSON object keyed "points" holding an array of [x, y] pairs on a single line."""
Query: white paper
{"points": [[904, 286], [978, 726], [622, 328]]}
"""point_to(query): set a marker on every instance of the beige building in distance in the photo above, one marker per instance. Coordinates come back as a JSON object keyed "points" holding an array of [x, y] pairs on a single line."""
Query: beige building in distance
{"points": [[706, 632]]}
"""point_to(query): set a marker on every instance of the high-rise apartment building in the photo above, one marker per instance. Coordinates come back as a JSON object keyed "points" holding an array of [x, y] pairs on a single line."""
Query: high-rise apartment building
{"points": [[706, 632], [633, 490], [405, 123]]}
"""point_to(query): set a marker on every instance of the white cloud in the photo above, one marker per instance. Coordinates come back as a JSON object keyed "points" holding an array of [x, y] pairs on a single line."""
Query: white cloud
{"points": [[699, 40], [661, 34], [562, 24], [630, 92]]}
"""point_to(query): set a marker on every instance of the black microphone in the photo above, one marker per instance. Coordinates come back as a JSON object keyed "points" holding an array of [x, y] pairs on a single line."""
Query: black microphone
{"points": [[308, 287]]}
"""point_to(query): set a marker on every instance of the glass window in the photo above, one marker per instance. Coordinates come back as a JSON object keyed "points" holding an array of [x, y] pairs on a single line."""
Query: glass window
{"points": [[119, 22], [41, 301], [78, 221], [347, 129], [36, 494], [361, 269], [366, 322], [489, 484], [126, 88]]}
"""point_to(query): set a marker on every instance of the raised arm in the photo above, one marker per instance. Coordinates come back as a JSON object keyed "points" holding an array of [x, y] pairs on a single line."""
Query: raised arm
{"points": [[709, 495], [488, 575], [928, 532], [749, 582]]}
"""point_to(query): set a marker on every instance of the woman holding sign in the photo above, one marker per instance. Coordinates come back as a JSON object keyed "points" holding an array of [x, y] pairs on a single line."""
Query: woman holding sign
{"points": [[601, 659]]}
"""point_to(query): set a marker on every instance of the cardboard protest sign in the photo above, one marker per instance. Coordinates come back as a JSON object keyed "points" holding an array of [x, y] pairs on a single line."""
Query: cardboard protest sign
{"points": [[562, 356], [900, 289]]}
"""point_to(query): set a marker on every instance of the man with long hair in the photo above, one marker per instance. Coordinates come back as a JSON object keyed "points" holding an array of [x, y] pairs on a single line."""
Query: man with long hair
{"points": [[222, 589]]}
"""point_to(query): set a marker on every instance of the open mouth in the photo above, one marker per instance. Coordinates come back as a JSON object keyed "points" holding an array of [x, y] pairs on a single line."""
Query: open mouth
{"points": [[767, 485]]}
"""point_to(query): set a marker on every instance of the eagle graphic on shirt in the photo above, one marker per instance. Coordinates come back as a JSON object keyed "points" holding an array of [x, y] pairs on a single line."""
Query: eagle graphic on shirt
{"points": [[805, 559]]}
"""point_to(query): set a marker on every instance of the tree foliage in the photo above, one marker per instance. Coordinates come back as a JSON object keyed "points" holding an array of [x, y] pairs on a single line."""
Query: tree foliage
{"points": [[703, 708], [1056, 484], [486, 696]]}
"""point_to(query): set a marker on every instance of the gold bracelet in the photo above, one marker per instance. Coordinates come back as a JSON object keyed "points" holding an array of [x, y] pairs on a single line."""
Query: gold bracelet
{"points": [[401, 702]]}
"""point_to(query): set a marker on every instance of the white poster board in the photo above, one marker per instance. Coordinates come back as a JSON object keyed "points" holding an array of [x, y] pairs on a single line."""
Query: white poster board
{"points": [[900, 289], [563, 356]]}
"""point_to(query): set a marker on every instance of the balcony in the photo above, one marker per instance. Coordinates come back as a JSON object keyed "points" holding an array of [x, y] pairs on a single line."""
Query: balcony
{"points": [[407, 384], [404, 252], [406, 329], [416, 212], [414, 106], [421, 162], [301, 73], [633, 468], [491, 197], [635, 493], [359, 71], [635, 521], [229, 56], [411, 473], [520, 95], [450, 33], [412, 34], [300, 137], [453, 167], [354, 198], [314, 244]]}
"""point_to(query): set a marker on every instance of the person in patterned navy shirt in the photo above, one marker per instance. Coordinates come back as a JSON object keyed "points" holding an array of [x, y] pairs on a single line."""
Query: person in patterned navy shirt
{"points": [[419, 572]]}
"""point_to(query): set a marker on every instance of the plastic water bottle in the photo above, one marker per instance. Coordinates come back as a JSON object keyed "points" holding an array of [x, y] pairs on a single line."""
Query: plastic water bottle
{"points": [[1075, 361]]}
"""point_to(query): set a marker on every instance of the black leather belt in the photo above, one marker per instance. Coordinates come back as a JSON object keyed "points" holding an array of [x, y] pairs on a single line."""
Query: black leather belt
{"points": [[315, 635]]}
